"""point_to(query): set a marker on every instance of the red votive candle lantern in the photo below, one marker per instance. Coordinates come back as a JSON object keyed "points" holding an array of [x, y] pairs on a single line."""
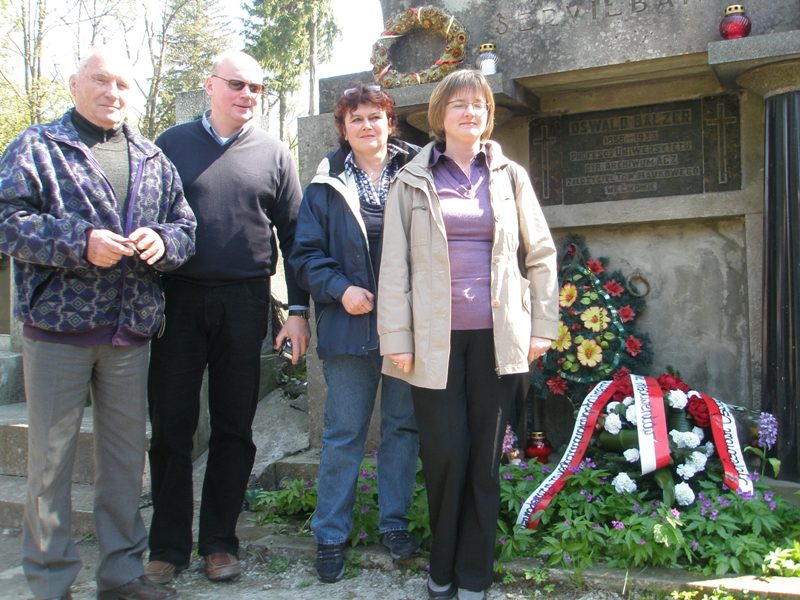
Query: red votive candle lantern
{"points": [[539, 447], [735, 24]]}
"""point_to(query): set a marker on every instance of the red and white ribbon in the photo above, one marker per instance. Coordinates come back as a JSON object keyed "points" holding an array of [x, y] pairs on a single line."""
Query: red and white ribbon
{"points": [[654, 449], [726, 441], [651, 424]]}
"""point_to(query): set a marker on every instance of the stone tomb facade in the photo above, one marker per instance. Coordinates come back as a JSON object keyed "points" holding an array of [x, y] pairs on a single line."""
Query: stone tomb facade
{"points": [[643, 132]]}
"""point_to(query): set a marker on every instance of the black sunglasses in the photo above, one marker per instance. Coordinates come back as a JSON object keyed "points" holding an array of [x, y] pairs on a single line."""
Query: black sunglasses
{"points": [[374, 89], [237, 85]]}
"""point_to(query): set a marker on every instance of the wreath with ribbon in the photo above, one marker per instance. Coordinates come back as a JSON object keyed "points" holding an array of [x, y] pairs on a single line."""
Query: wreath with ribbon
{"points": [[424, 17]]}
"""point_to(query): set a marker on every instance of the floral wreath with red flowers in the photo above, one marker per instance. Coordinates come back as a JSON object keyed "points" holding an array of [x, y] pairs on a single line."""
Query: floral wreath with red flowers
{"points": [[424, 17], [597, 327]]}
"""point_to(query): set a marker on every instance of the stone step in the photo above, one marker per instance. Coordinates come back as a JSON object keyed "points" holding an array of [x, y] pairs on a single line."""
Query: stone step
{"points": [[11, 386], [12, 503], [14, 444]]}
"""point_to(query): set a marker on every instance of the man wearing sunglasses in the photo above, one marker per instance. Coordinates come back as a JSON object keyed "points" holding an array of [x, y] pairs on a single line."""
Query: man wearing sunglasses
{"points": [[242, 184]]}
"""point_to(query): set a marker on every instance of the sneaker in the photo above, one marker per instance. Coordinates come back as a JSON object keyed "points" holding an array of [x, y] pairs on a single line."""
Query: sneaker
{"points": [[400, 543], [446, 594], [330, 562]]}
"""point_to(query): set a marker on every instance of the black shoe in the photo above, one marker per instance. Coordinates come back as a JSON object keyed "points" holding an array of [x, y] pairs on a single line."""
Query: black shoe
{"points": [[450, 592], [330, 562], [400, 543], [140, 588]]}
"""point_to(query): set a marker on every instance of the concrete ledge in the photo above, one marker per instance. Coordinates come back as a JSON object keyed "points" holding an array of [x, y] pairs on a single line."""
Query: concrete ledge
{"points": [[731, 58], [12, 504]]}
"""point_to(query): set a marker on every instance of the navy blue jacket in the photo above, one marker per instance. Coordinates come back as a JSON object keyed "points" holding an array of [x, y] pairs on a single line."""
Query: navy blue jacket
{"points": [[331, 253]]}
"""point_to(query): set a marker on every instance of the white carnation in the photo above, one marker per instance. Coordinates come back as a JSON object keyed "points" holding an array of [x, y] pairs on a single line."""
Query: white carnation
{"points": [[611, 407], [613, 424], [631, 455], [686, 471], [628, 401], [697, 460], [709, 448], [698, 431], [684, 439], [624, 484], [631, 414], [677, 399], [684, 494]]}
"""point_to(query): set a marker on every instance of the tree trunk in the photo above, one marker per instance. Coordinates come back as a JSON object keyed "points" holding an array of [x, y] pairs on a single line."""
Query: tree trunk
{"points": [[312, 62]]}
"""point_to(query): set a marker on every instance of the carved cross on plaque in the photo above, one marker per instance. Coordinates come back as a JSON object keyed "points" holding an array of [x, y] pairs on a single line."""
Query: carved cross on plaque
{"points": [[720, 124], [543, 143]]}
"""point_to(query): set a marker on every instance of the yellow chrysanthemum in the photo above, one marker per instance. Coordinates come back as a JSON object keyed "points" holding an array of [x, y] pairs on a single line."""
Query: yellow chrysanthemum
{"points": [[568, 295], [564, 339], [595, 318], [589, 353]]}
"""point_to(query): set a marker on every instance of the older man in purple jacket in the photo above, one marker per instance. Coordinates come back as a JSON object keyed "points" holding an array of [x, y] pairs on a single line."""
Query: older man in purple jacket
{"points": [[91, 213]]}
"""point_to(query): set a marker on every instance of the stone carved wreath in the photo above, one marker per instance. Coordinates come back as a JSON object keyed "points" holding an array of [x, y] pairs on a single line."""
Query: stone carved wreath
{"points": [[424, 17]]}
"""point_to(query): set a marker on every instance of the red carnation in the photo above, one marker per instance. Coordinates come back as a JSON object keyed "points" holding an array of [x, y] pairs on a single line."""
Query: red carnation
{"points": [[626, 313], [633, 345], [613, 287], [623, 385], [595, 266], [557, 385], [668, 382], [698, 410]]}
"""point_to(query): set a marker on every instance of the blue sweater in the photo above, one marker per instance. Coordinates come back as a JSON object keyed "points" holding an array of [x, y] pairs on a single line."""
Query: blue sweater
{"points": [[239, 192]]}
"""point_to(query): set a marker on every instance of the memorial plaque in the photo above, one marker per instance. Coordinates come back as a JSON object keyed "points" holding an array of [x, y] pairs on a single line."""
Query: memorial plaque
{"points": [[670, 149]]}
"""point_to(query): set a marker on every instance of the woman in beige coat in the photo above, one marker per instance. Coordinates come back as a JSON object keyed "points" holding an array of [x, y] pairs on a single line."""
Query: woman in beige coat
{"points": [[467, 299]]}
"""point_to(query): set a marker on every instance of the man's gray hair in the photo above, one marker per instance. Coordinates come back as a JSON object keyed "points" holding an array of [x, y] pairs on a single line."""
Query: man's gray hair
{"points": [[116, 54]]}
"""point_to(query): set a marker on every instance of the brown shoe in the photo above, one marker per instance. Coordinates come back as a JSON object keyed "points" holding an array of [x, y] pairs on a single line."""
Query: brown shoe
{"points": [[222, 566], [161, 571], [140, 588]]}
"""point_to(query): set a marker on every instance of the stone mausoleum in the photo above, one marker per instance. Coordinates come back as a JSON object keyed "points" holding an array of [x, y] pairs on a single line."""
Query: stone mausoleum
{"points": [[673, 152]]}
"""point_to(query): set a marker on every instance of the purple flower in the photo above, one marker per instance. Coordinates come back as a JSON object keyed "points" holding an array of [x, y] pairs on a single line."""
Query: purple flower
{"points": [[528, 477], [508, 476], [366, 488], [501, 541], [362, 535], [618, 524], [642, 542], [567, 558], [767, 430], [365, 510], [676, 513], [714, 514], [768, 496], [772, 505], [523, 465], [509, 440], [567, 523], [723, 502], [547, 469], [596, 526], [695, 544]]}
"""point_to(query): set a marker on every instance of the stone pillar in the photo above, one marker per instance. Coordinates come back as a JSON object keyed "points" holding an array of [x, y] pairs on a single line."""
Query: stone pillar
{"points": [[779, 85]]}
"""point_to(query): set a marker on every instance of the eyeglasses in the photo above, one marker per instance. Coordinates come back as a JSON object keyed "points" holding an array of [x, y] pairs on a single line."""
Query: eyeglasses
{"points": [[374, 89], [460, 106], [237, 85]]}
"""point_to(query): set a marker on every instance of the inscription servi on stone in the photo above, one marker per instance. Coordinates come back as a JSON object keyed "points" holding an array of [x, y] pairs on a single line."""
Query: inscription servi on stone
{"points": [[538, 13], [669, 149]]}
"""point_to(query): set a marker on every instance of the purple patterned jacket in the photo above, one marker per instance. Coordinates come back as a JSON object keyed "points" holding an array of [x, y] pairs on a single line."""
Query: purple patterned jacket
{"points": [[52, 192]]}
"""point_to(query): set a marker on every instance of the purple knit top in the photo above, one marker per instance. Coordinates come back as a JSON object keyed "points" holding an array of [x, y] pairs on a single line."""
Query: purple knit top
{"points": [[467, 214]]}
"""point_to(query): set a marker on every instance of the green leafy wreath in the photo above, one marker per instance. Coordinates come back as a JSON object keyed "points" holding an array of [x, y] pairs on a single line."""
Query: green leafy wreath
{"points": [[424, 17]]}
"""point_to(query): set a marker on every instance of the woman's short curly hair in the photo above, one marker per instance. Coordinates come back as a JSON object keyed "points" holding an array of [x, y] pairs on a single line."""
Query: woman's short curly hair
{"points": [[363, 93], [463, 79]]}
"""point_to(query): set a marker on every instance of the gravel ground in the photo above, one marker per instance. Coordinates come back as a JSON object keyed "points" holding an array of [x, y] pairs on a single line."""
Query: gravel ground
{"points": [[279, 567]]}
